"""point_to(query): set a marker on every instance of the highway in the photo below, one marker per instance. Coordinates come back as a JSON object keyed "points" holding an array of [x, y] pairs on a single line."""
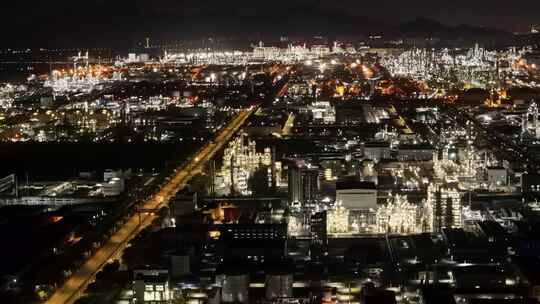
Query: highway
{"points": [[74, 287]]}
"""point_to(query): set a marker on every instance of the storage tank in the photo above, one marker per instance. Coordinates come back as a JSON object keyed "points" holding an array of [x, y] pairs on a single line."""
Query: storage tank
{"points": [[234, 287], [175, 94], [279, 285], [279, 279]]}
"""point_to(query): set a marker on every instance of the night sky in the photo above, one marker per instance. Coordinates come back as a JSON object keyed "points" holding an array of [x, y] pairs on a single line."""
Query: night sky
{"points": [[64, 22]]}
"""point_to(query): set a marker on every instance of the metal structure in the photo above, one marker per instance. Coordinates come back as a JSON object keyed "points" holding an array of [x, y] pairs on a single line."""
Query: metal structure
{"points": [[9, 183]]}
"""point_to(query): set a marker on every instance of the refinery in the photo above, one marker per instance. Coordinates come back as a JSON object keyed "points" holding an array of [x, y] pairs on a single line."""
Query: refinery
{"points": [[368, 169]]}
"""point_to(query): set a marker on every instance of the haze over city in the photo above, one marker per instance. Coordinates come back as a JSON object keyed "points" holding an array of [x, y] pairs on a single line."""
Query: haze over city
{"points": [[31, 23]]}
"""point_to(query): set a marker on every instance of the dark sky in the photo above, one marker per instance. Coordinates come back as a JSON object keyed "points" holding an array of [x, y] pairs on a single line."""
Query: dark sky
{"points": [[33, 22]]}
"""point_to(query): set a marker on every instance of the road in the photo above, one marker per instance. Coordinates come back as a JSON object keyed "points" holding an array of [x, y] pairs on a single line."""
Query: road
{"points": [[74, 287], [289, 124]]}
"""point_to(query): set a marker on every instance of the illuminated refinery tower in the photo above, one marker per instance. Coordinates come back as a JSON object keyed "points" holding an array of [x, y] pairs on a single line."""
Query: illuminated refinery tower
{"points": [[469, 164], [78, 58], [337, 220], [442, 209], [240, 161], [525, 127], [397, 216]]}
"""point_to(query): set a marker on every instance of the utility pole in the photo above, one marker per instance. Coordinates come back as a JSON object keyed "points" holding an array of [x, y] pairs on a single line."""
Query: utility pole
{"points": [[27, 184], [16, 186], [213, 177], [273, 169]]}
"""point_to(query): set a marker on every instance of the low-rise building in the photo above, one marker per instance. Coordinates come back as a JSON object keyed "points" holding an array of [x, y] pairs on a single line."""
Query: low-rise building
{"points": [[151, 286], [356, 195], [415, 152]]}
